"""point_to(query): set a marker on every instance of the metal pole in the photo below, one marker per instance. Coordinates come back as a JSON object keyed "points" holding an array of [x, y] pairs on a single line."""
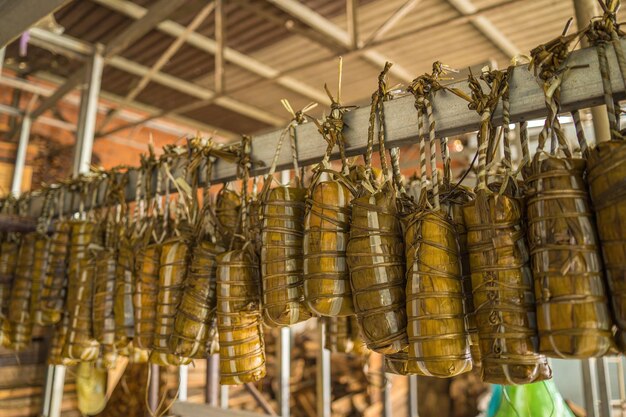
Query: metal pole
{"points": [[220, 41], [88, 111], [183, 378], [212, 380], [2, 53], [589, 386], [323, 373], [45, 408], [284, 359], [387, 410], [413, 396], [585, 11], [153, 389], [20, 159], [604, 387], [56, 396], [224, 396]]}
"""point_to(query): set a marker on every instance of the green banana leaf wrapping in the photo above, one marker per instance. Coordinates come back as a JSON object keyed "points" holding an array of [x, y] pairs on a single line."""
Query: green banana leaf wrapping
{"points": [[197, 307], [54, 288], [227, 208], [606, 173], [172, 274], [397, 363], [59, 337], [21, 326], [344, 336], [438, 340], [327, 289], [573, 316], [281, 257], [256, 224], [145, 296], [242, 353], [123, 299], [502, 287], [376, 262], [80, 344], [359, 347], [40, 265], [103, 300], [8, 262], [453, 200]]}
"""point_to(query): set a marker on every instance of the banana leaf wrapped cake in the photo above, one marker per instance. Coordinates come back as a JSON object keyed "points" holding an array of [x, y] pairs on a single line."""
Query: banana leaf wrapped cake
{"points": [[452, 200], [502, 286], [282, 257], [19, 317], [192, 328], [227, 209], [172, 273], [145, 295], [438, 341], [326, 230], [40, 266], [103, 301], [124, 283], [242, 353], [606, 173], [54, 287], [80, 343], [572, 307], [376, 262], [9, 249]]}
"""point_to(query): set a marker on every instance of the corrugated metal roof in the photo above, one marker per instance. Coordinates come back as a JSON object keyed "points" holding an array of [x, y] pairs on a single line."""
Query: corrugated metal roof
{"points": [[265, 33]]}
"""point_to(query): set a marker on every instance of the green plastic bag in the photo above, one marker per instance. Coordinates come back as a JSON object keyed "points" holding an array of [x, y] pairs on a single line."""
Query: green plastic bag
{"points": [[540, 399]]}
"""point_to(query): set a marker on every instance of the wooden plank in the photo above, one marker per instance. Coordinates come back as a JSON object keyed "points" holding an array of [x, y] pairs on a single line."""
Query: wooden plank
{"points": [[581, 88], [17, 16]]}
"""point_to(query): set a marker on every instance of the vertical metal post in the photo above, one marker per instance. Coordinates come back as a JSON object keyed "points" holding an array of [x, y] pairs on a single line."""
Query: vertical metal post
{"points": [[585, 11], [213, 380], [604, 387], [45, 408], [413, 396], [154, 388], [82, 159], [284, 359], [183, 377], [387, 410], [220, 40], [323, 373], [56, 396], [352, 23], [589, 386], [20, 159], [224, 396], [3, 51], [86, 128]]}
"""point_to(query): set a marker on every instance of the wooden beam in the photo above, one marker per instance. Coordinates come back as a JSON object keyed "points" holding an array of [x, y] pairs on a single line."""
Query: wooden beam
{"points": [[581, 88], [18, 16]]}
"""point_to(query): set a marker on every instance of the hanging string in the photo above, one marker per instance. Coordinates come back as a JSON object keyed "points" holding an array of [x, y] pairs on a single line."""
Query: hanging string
{"points": [[580, 133], [600, 34]]}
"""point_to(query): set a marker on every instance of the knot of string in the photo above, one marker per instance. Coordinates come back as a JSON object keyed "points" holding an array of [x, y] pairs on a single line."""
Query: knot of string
{"points": [[377, 118], [422, 89], [549, 62]]}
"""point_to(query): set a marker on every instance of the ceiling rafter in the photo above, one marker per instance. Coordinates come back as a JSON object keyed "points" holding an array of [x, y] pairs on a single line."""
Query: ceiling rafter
{"points": [[209, 45], [486, 27], [160, 63], [121, 41], [329, 29], [48, 39]]}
